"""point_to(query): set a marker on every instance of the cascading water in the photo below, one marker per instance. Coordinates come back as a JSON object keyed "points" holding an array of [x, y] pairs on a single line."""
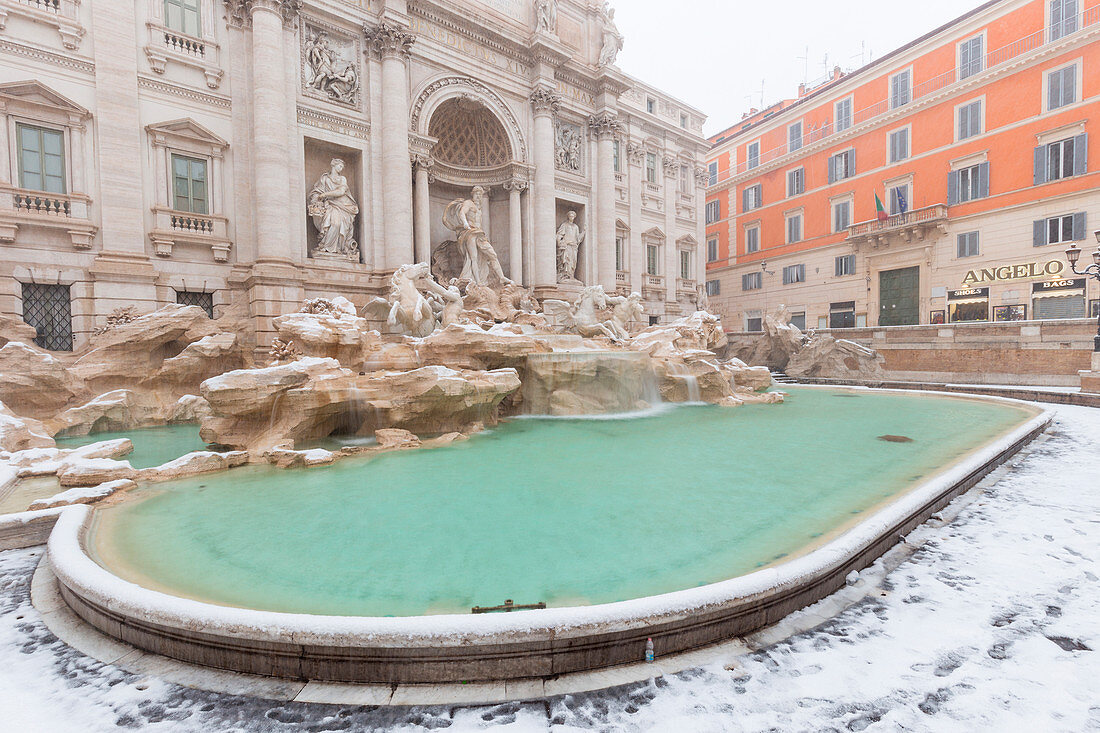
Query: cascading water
{"points": [[589, 383], [691, 382]]}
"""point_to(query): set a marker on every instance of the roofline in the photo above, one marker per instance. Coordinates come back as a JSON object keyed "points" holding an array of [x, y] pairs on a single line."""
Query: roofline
{"points": [[876, 63]]}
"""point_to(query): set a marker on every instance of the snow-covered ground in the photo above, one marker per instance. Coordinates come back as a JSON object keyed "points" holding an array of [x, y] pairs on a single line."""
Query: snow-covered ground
{"points": [[994, 624]]}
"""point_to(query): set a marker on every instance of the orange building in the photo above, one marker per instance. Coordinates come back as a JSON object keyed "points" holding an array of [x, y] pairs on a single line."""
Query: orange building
{"points": [[979, 141]]}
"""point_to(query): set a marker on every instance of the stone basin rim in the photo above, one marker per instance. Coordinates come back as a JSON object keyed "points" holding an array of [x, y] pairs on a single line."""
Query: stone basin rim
{"points": [[91, 583]]}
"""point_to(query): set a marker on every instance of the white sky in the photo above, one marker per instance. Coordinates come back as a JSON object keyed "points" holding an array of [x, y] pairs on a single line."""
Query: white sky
{"points": [[713, 54]]}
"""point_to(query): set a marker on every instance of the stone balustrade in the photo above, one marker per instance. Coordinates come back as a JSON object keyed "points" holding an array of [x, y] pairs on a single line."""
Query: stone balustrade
{"points": [[21, 207], [173, 228]]}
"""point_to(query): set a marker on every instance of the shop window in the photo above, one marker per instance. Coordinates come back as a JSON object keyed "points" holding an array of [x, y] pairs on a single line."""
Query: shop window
{"points": [[1016, 312], [845, 265], [48, 309], [752, 281], [967, 243], [794, 274], [1059, 229], [842, 165], [968, 306], [1061, 159], [842, 315], [901, 89], [202, 300], [41, 153], [1061, 87], [970, 120], [1059, 299], [752, 240], [971, 58], [796, 182], [899, 145]]}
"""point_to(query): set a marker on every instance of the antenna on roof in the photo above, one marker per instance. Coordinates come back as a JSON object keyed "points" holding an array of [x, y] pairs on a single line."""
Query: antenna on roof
{"points": [[762, 93], [806, 64]]}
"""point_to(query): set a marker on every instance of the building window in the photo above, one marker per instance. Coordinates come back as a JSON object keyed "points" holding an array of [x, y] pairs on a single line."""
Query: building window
{"points": [[794, 137], [183, 16], [842, 315], [842, 165], [685, 179], [1061, 87], [714, 287], [843, 114], [202, 300], [1060, 159], [1063, 18], [651, 105], [794, 274], [971, 58], [845, 265], [970, 119], [683, 121], [189, 184], [901, 89], [899, 145], [968, 184], [1058, 229], [41, 158], [652, 259], [712, 250], [685, 265], [752, 281], [752, 240], [798, 320], [713, 211], [842, 216], [796, 182], [619, 260], [618, 157], [752, 197], [651, 167], [899, 199], [968, 244], [794, 228], [48, 309], [753, 157], [754, 324], [712, 174]]}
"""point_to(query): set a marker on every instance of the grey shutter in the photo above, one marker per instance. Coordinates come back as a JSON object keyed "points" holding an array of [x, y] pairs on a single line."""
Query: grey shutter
{"points": [[952, 188], [1039, 233], [1078, 226], [1080, 154], [832, 169], [759, 194], [851, 162], [744, 200], [983, 180], [1040, 165]]}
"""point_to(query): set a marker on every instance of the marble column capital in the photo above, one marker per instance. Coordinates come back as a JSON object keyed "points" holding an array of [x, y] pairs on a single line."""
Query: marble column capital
{"points": [[605, 126], [516, 184], [389, 41], [672, 165], [545, 101], [425, 163], [240, 11], [702, 177]]}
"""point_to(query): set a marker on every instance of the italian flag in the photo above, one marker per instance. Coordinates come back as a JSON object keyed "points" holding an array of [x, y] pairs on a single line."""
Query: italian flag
{"points": [[880, 210]]}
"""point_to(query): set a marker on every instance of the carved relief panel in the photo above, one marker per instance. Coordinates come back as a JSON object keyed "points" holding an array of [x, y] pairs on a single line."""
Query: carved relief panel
{"points": [[569, 142], [330, 64]]}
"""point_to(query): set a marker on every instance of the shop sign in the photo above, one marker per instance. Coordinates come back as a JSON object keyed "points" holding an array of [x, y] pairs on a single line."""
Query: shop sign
{"points": [[968, 293], [1058, 285], [1007, 273]]}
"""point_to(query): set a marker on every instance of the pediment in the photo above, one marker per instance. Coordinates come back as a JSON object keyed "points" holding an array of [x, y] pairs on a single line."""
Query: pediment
{"points": [[187, 129], [37, 94], [654, 233], [686, 242]]}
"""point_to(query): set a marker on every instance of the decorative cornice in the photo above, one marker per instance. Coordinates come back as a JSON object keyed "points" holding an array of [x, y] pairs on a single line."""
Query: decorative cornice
{"points": [[605, 126], [333, 123], [240, 11], [389, 40], [193, 95], [545, 101], [39, 54]]}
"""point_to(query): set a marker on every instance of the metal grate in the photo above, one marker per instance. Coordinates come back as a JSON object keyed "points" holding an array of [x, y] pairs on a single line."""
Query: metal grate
{"points": [[202, 300], [48, 309]]}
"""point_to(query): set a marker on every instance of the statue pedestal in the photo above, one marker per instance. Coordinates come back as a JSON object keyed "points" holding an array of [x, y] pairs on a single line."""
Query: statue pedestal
{"points": [[569, 292], [334, 257]]}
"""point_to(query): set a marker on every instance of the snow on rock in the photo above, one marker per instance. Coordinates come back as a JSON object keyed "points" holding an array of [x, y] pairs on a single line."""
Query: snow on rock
{"points": [[77, 471], [193, 464], [86, 495], [20, 433], [285, 458]]}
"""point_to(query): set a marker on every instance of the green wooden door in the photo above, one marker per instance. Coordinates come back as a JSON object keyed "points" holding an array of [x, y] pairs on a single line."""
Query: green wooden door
{"points": [[899, 297]]}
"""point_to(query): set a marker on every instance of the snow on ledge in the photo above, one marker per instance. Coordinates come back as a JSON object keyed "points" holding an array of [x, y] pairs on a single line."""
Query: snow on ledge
{"points": [[86, 578]]}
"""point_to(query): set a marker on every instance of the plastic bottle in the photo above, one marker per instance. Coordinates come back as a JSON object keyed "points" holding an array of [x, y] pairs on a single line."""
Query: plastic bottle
{"points": [[649, 650]]}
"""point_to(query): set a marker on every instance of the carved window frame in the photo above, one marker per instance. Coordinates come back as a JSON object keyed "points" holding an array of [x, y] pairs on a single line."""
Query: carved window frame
{"points": [[166, 142], [169, 45]]}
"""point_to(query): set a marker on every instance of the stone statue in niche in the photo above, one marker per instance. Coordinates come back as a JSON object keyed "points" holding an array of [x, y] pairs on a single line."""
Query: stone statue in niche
{"points": [[612, 39], [570, 238], [333, 210], [567, 147], [328, 72], [546, 15], [464, 218]]}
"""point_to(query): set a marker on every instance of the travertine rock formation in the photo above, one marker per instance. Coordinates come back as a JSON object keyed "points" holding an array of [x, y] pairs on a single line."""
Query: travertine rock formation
{"points": [[21, 433], [331, 330], [470, 347], [833, 358], [701, 331], [120, 409], [34, 383], [589, 383], [14, 329]]}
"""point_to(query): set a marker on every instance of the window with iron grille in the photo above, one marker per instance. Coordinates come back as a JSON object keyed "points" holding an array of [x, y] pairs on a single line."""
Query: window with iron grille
{"points": [[845, 265], [202, 300], [752, 281], [1062, 87], [968, 244], [794, 274], [971, 59], [48, 309]]}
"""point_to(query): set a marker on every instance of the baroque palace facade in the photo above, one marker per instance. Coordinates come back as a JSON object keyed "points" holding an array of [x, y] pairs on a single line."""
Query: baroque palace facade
{"points": [[978, 139], [214, 152]]}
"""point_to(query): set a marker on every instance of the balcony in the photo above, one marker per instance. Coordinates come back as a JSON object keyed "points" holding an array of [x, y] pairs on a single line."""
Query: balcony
{"points": [[653, 287], [686, 288], [912, 226], [61, 15], [20, 207], [181, 228], [167, 45]]}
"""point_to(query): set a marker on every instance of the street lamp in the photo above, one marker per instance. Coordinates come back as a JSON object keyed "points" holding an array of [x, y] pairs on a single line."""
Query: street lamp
{"points": [[1073, 254]]}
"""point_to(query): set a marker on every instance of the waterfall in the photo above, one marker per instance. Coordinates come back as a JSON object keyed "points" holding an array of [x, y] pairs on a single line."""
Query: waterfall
{"points": [[691, 382], [589, 383]]}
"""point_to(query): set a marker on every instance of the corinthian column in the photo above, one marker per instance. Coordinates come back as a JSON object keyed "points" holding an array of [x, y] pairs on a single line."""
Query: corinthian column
{"points": [[422, 201], [392, 43], [270, 113], [606, 127], [515, 188], [545, 103]]}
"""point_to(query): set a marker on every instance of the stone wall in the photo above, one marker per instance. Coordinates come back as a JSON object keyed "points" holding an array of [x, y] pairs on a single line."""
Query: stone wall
{"points": [[1048, 353]]}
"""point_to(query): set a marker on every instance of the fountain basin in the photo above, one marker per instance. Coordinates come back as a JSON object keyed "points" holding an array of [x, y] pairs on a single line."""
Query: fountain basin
{"points": [[454, 647]]}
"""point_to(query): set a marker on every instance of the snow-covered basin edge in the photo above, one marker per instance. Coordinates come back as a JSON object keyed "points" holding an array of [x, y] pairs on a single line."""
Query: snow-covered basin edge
{"points": [[75, 569]]}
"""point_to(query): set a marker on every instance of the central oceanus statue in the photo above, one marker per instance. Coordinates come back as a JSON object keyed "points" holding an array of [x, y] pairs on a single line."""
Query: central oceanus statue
{"points": [[480, 263]]}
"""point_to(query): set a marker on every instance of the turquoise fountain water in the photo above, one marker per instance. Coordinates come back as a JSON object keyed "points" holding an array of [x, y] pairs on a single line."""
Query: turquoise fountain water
{"points": [[152, 446], [564, 511]]}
